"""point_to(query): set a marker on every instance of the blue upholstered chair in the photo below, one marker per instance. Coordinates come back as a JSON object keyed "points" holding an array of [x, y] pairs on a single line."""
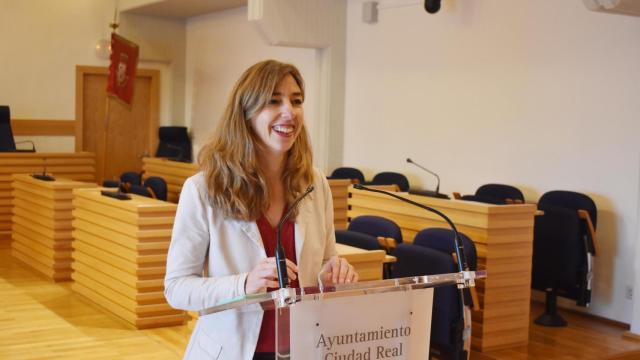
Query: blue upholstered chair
{"points": [[140, 190], [157, 186], [442, 239], [174, 143], [7, 142], [386, 231], [129, 179], [391, 178], [498, 194], [357, 239], [447, 322], [354, 174], [563, 247]]}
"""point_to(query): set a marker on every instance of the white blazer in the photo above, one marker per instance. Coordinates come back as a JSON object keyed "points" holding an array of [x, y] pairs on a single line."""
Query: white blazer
{"points": [[234, 249]]}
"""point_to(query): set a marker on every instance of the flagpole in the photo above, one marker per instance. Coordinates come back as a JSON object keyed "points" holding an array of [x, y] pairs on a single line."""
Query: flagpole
{"points": [[107, 107], [105, 137]]}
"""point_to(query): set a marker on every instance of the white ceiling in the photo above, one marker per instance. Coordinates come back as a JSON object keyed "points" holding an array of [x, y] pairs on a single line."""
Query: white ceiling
{"points": [[182, 9]]}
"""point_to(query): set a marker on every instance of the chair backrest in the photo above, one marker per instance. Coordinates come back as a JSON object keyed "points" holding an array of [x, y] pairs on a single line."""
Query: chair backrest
{"points": [[376, 226], [572, 200], [348, 173], [129, 179], [441, 239], [390, 178], [447, 320], [357, 239], [500, 191], [158, 187], [140, 190], [174, 143], [483, 199], [7, 143], [562, 246]]}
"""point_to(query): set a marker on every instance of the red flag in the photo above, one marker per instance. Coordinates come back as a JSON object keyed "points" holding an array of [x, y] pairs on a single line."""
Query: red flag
{"points": [[122, 70]]}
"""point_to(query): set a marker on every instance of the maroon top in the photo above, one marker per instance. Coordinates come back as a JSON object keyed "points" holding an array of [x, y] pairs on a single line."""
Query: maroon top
{"points": [[267, 338]]}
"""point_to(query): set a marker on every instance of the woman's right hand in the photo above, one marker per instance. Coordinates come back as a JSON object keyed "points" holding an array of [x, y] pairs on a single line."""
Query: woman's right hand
{"points": [[265, 275]]}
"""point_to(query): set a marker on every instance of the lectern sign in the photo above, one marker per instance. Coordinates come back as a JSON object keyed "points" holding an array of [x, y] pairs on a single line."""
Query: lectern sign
{"points": [[393, 325]]}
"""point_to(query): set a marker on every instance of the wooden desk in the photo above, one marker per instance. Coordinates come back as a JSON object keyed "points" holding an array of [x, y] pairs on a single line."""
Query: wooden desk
{"points": [[339, 193], [368, 263], [75, 166], [120, 253], [41, 224], [503, 236], [173, 172]]}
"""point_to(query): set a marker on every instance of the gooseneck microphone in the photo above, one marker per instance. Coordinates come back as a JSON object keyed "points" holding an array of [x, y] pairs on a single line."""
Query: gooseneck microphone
{"points": [[429, 171], [281, 260], [462, 260]]}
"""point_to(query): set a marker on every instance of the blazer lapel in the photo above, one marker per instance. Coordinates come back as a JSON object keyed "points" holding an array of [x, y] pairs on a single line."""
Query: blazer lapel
{"points": [[250, 229], [300, 228]]}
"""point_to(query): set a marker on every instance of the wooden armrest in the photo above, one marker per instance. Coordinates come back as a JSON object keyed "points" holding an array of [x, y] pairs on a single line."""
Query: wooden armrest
{"points": [[456, 195], [472, 290], [389, 244], [584, 214]]}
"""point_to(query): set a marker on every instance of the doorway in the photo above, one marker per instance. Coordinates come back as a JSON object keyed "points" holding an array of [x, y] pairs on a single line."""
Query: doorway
{"points": [[120, 135]]}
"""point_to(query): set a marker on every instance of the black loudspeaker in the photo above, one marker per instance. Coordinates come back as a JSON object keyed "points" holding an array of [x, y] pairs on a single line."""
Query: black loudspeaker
{"points": [[432, 6]]}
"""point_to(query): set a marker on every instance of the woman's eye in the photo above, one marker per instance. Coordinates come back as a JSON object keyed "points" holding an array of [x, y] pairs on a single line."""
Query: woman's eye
{"points": [[297, 101], [274, 101]]}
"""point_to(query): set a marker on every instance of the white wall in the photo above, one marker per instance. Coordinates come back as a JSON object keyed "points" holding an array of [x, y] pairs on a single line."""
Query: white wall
{"points": [[220, 46], [43, 41], [540, 94]]}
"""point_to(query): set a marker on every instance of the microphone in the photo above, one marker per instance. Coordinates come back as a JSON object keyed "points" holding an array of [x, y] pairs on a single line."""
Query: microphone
{"points": [[43, 176], [435, 194], [462, 260], [281, 260]]}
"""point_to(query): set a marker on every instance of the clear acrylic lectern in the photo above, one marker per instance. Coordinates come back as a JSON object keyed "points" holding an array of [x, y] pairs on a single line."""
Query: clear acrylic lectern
{"points": [[366, 320]]}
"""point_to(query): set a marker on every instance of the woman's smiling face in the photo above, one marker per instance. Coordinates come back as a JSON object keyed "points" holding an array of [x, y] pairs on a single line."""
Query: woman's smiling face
{"points": [[278, 124]]}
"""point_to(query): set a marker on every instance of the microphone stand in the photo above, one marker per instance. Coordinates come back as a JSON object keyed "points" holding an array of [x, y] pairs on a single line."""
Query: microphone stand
{"points": [[281, 260], [435, 194], [462, 260]]}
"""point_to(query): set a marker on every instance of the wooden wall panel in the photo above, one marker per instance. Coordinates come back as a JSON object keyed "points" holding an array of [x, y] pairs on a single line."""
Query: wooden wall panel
{"points": [[43, 127]]}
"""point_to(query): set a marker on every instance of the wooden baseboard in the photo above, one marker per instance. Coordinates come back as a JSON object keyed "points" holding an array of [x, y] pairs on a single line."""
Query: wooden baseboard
{"points": [[631, 336], [598, 318]]}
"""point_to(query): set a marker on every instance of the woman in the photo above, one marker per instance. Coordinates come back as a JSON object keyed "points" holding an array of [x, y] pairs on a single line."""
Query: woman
{"points": [[257, 163]]}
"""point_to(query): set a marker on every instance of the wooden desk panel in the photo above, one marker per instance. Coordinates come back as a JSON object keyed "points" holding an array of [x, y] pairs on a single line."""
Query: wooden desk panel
{"points": [[74, 166], [340, 193], [503, 236], [41, 224], [120, 253]]}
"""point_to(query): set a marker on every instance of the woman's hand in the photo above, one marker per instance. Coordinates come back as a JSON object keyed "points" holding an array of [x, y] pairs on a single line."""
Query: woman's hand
{"points": [[265, 275], [338, 271]]}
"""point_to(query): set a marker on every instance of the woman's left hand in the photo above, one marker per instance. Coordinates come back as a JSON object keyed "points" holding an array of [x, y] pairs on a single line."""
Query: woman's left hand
{"points": [[338, 271]]}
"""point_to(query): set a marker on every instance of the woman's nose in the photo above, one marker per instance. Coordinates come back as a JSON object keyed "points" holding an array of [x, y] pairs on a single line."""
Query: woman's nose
{"points": [[287, 109]]}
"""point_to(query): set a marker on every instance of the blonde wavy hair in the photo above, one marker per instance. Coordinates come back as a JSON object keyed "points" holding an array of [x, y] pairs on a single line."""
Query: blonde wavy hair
{"points": [[235, 183]]}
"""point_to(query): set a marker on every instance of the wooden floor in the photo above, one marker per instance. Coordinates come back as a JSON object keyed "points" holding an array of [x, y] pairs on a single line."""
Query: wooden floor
{"points": [[40, 319]]}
